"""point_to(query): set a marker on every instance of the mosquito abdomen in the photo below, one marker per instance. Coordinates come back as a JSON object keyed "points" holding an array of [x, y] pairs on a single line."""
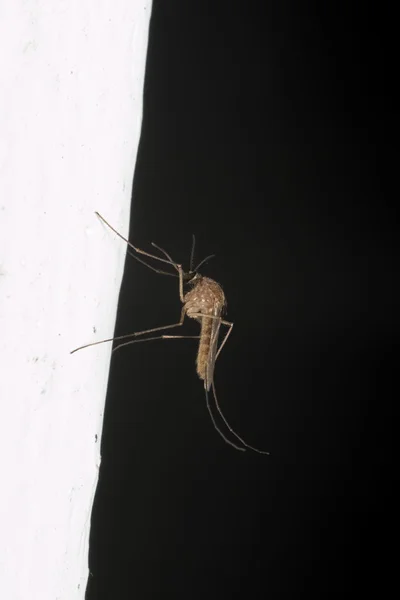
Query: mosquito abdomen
{"points": [[204, 347]]}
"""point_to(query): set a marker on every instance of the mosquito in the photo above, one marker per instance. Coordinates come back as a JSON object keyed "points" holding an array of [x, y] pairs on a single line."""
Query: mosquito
{"points": [[205, 302]]}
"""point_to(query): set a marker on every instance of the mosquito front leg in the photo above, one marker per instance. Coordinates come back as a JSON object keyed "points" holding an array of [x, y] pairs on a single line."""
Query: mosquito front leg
{"points": [[143, 262], [178, 268], [143, 253], [138, 250]]}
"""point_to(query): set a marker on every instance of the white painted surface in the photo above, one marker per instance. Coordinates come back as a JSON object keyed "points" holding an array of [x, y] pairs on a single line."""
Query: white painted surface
{"points": [[71, 84]]}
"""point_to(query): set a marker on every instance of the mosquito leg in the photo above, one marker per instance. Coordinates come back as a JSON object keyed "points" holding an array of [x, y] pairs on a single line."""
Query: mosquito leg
{"points": [[143, 262], [203, 316], [158, 337], [227, 323], [136, 334], [163, 252], [138, 250], [176, 266], [181, 284], [154, 329], [180, 337], [230, 325], [173, 263], [233, 432], [218, 429]]}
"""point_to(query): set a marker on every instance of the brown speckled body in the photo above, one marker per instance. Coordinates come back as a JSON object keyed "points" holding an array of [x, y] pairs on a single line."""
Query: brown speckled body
{"points": [[205, 303], [206, 298]]}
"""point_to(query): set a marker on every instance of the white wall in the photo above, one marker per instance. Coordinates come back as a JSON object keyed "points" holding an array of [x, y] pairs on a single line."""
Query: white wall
{"points": [[71, 84]]}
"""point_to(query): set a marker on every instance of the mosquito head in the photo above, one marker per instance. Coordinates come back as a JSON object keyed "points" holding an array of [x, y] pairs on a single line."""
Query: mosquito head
{"points": [[191, 278]]}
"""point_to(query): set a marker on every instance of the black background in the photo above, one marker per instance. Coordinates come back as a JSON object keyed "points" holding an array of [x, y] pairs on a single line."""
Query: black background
{"points": [[263, 134]]}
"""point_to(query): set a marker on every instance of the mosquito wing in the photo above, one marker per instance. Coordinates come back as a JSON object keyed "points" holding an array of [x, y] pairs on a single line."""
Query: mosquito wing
{"points": [[216, 324]]}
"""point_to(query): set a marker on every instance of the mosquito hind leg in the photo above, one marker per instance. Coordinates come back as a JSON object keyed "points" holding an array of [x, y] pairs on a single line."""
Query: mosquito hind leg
{"points": [[218, 429], [228, 333], [228, 324], [233, 432]]}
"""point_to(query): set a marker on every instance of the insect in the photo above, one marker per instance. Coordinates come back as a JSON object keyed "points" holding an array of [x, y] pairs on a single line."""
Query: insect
{"points": [[205, 302]]}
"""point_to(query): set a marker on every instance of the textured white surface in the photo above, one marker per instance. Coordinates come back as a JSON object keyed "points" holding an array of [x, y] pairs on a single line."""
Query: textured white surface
{"points": [[71, 84]]}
